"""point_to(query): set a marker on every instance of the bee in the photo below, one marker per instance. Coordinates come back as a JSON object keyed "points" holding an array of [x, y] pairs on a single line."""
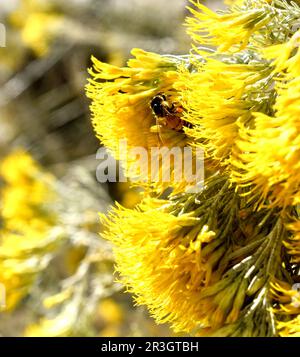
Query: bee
{"points": [[168, 115]]}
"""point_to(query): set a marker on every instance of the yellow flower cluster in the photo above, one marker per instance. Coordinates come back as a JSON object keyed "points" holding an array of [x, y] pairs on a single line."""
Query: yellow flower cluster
{"points": [[25, 237], [222, 261], [147, 261], [121, 99], [38, 22], [215, 100], [274, 174], [232, 29]]}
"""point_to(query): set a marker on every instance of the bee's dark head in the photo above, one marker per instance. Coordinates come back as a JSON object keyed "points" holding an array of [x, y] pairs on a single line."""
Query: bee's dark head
{"points": [[156, 104]]}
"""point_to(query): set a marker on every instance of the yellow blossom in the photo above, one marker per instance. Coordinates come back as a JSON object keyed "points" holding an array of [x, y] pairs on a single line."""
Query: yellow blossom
{"points": [[267, 158], [228, 29], [39, 30], [24, 192], [220, 262], [162, 268], [121, 109], [214, 98], [28, 232], [274, 174], [38, 22]]}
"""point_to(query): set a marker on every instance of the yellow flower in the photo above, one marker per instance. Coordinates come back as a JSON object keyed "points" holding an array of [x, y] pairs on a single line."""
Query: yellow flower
{"points": [[266, 161], [215, 98], [121, 109], [28, 234], [161, 267], [228, 29], [220, 262], [39, 30], [22, 257], [18, 167], [38, 23], [24, 192]]}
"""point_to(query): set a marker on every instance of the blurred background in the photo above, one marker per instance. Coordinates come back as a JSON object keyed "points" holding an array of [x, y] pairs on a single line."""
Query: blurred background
{"points": [[57, 271]]}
